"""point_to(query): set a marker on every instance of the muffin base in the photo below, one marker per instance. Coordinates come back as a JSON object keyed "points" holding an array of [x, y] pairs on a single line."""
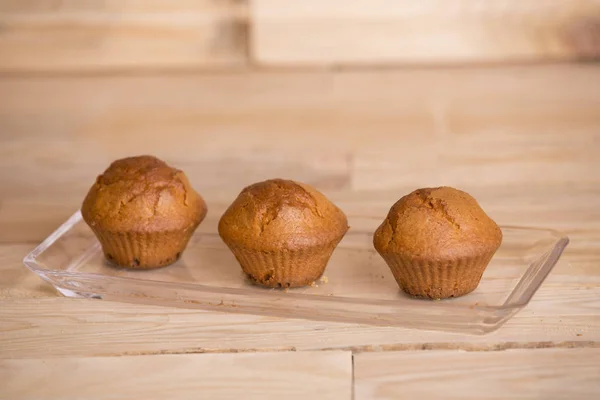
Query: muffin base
{"points": [[285, 268], [438, 280], [143, 250]]}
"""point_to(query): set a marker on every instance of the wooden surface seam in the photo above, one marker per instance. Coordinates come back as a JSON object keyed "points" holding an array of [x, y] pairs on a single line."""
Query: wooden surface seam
{"points": [[523, 140]]}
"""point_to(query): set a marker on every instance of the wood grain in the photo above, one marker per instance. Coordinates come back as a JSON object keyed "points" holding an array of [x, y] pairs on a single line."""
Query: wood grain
{"points": [[67, 6], [316, 375], [522, 140], [59, 327], [393, 32], [523, 374], [46, 36], [531, 128]]}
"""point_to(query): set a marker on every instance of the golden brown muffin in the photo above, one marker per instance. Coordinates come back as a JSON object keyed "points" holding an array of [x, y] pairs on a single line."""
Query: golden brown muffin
{"points": [[143, 212], [437, 242], [282, 232]]}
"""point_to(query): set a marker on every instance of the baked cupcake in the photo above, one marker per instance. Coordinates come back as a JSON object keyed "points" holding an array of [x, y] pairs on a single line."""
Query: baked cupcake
{"points": [[282, 232], [143, 212], [437, 242]]}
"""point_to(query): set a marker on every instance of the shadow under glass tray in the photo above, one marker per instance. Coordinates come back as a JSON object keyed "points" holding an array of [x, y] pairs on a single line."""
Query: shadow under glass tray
{"points": [[357, 286]]}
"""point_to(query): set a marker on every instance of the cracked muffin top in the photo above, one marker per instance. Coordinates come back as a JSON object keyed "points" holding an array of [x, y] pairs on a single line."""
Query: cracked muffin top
{"points": [[142, 194], [282, 214], [438, 224]]}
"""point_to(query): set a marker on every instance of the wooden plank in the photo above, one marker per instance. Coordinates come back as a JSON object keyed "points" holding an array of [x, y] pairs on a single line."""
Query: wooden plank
{"points": [[290, 375], [392, 32], [522, 140], [138, 6], [330, 112], [387, 129], [98, 35], [522, 373], [562, 315]]}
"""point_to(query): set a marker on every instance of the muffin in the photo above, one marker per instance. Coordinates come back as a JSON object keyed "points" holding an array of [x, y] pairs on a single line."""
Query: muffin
{"points": [[282, 232], [437, 242], [143, 212]]}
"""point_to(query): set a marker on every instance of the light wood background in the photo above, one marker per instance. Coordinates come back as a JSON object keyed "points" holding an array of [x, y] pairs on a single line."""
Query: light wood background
{"points": [[350, 32], [234, 92], [92, 35], [322, 375], [542, 374], [522, 139]]}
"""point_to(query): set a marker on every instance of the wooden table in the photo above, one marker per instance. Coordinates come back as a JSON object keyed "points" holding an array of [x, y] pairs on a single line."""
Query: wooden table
{"points": [[523, 140]]}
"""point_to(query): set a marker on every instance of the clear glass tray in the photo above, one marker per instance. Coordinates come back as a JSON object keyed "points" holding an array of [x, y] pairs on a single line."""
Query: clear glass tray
{"points": [[358, 288]]}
